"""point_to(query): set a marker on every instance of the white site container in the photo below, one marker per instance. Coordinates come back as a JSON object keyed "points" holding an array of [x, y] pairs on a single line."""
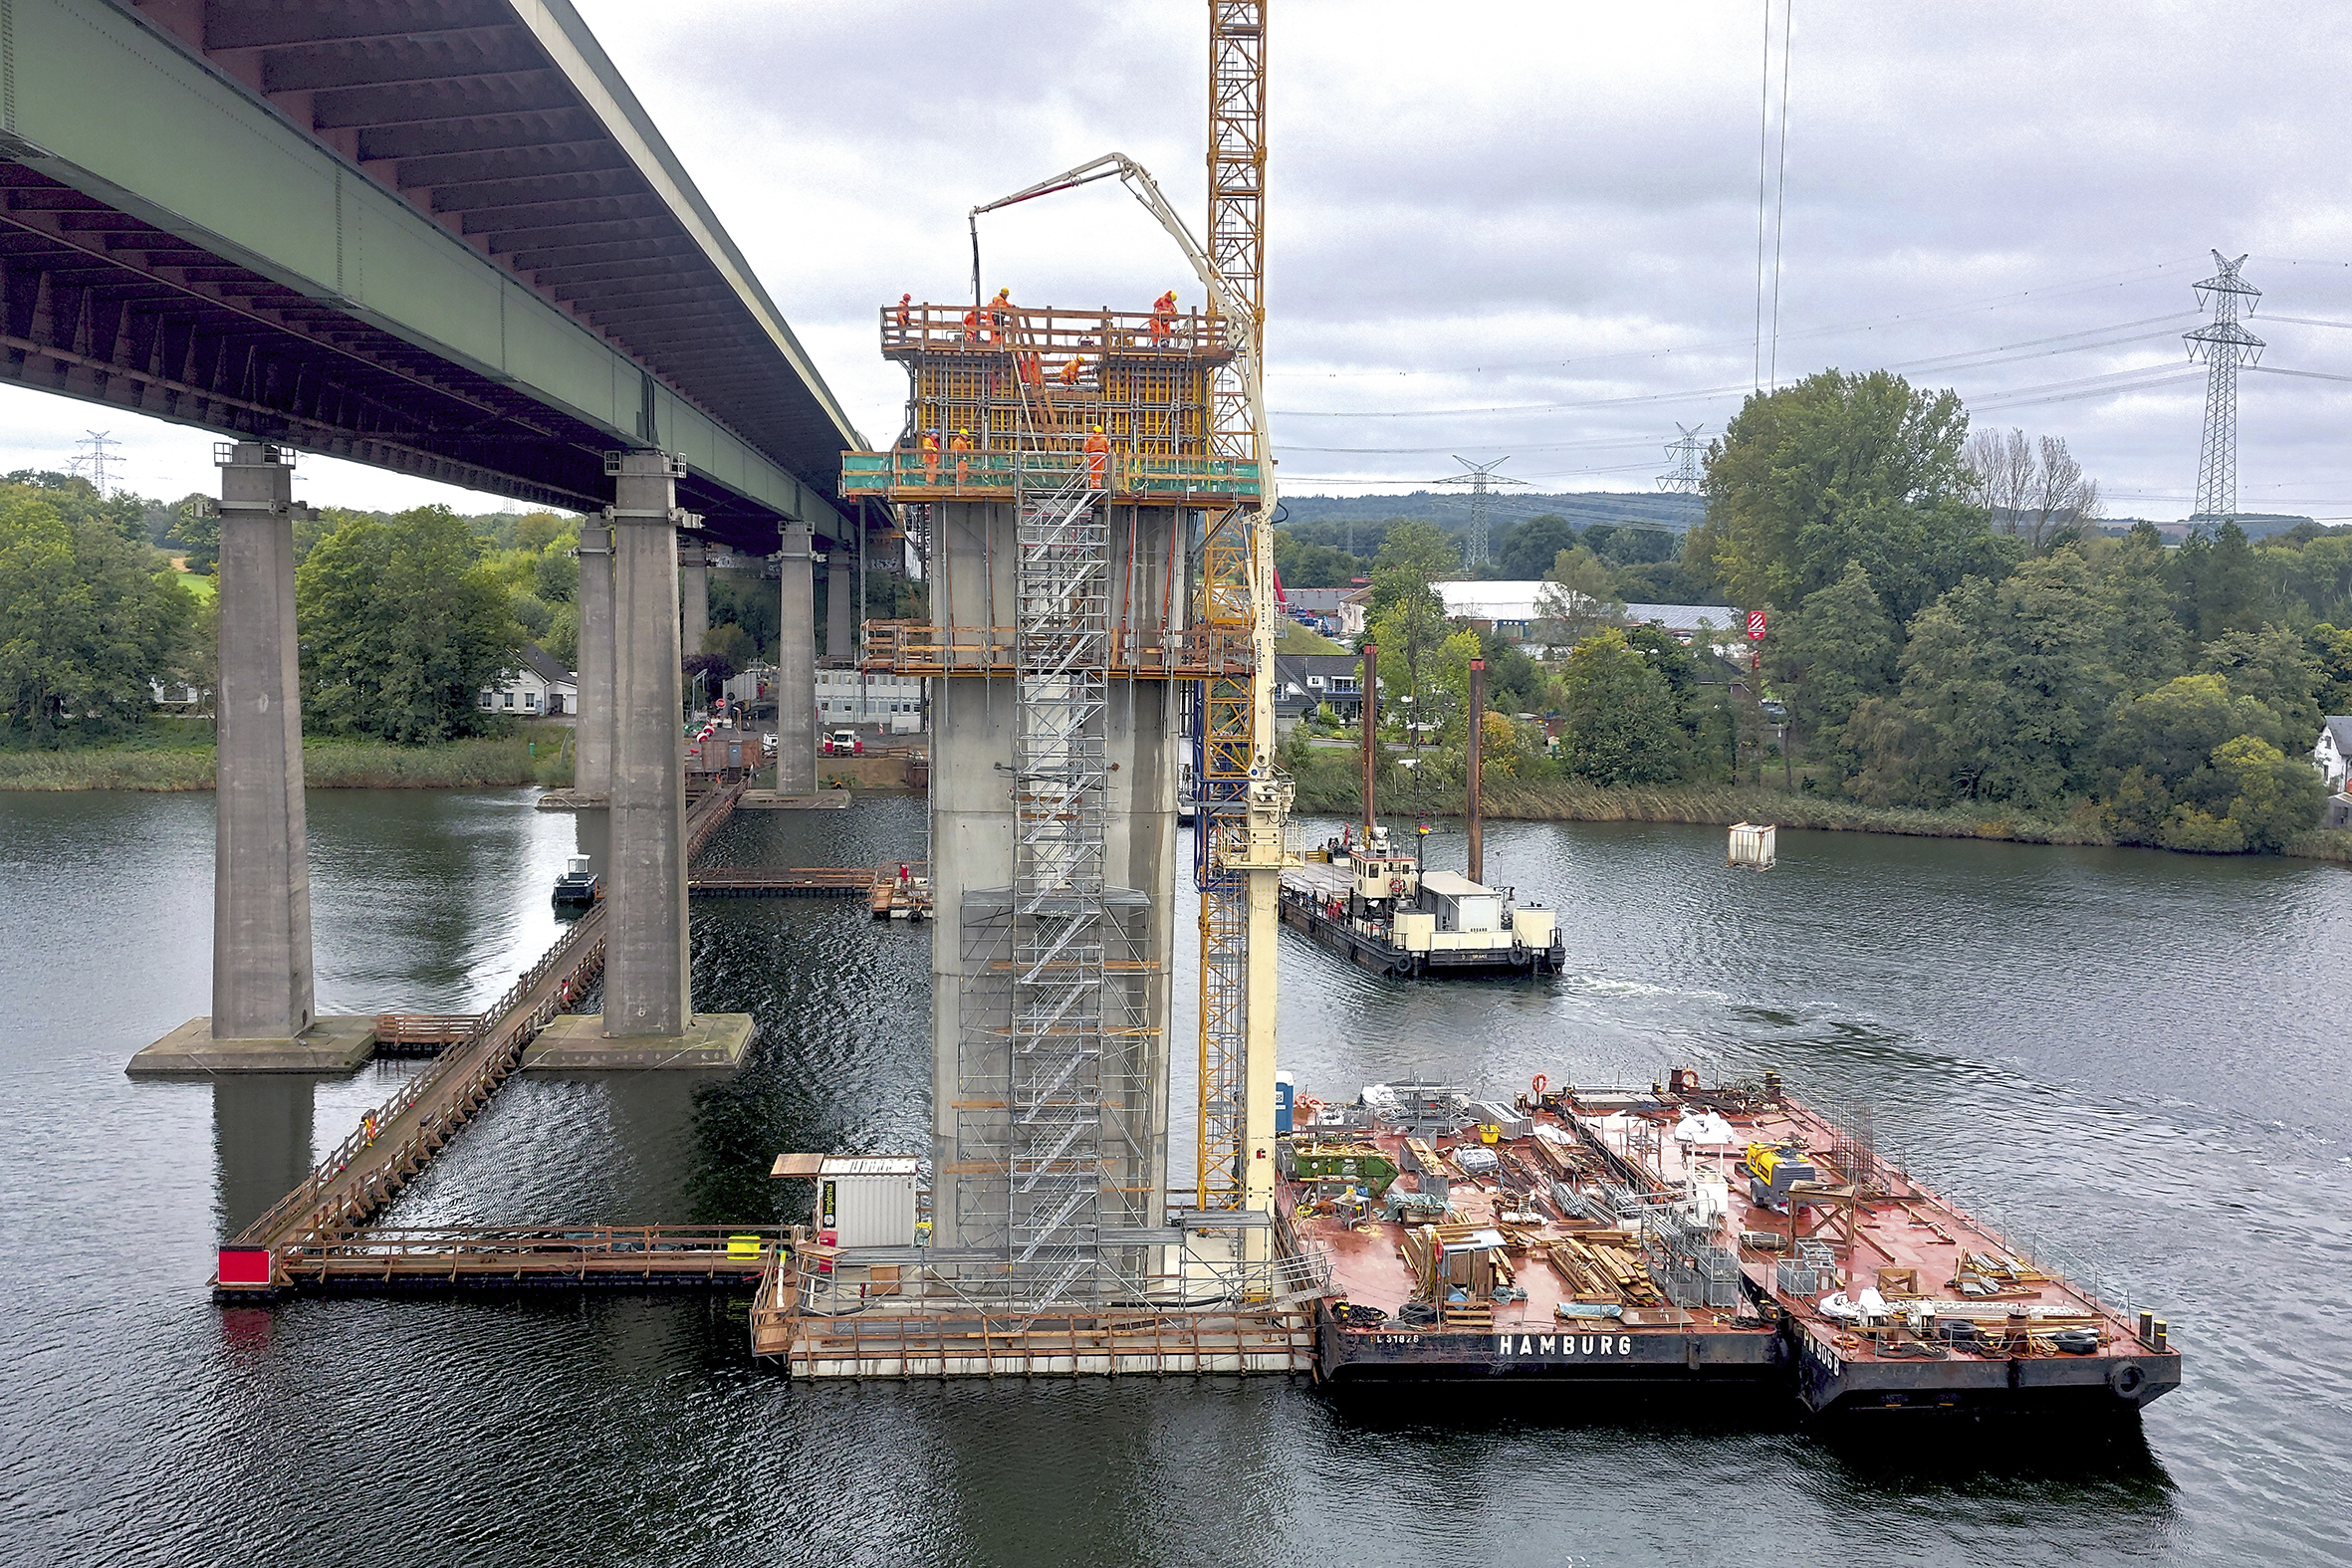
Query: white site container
{"points": [[1755, 844], [868, 1199]]}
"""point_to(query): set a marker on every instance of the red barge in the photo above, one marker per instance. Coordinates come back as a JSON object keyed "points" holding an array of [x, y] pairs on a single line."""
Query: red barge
{"points": [[1683, 1234]]}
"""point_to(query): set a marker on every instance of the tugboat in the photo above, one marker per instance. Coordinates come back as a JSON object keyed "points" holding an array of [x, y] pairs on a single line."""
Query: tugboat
{"points": [[578, 887]]}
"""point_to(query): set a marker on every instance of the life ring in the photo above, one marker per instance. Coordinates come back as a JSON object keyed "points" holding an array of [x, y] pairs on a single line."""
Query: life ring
{"points": [[1539, 1081], [2125, 1379]]}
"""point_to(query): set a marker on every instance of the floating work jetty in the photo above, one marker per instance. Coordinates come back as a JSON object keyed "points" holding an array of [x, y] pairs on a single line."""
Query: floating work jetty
{"points": [[1684, 1233]]}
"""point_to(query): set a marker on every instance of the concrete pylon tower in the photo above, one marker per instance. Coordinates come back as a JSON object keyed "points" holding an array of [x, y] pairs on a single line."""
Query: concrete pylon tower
{"points": [[592, 774], [2224, 346]]}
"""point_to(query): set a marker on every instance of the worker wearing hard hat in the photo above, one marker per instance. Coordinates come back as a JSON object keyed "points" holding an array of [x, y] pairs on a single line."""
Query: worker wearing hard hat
{"points": [[1098, 459], [961, 444], [930, 445], [1000, 312], [905, 308], [1163, 317]]}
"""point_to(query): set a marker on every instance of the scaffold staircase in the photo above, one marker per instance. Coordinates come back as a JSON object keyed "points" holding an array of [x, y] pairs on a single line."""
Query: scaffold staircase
{"points": [[1060, 777]]}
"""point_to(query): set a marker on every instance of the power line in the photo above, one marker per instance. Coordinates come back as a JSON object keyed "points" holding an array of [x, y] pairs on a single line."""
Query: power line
{"points": [[1780, 199], [1478, 476]]}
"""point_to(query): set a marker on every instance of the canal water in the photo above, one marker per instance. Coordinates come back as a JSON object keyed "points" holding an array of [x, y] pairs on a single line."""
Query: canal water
{"points": [[2141, 1056]]}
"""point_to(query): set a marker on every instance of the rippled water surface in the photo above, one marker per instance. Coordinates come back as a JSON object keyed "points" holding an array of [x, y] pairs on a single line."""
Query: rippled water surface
{"points": [[2141, 1055]]}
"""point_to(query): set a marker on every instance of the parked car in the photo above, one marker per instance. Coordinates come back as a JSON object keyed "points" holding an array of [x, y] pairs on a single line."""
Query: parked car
{"points": [[843, 742]]}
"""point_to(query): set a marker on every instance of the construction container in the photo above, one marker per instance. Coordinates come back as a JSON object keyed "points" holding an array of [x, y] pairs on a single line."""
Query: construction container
{"points": [[1755, 844], [868, 1199]]}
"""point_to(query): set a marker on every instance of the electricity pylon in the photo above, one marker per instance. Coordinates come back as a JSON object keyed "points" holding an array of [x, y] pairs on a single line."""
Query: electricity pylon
{"points": [[2224, 346], [1682, 477], [1478, 549]]}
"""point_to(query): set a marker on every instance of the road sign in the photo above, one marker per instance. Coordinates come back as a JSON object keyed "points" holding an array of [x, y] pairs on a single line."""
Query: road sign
{"points": [[1755, 625]]}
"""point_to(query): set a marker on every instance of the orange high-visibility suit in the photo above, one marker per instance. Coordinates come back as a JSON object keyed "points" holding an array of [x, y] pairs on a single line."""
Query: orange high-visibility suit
{"points": [[1097, 460], [1069, 371], [930, 458], [961, 444]]}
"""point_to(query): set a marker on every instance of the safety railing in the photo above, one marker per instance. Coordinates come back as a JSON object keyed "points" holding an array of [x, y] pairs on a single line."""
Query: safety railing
{"points": [[1129, 476], [928, 328], [736, 1251], [912, 648]]}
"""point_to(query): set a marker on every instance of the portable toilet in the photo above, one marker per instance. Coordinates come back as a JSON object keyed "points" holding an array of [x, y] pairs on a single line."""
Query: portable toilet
{"points": [[1285, 1095]]}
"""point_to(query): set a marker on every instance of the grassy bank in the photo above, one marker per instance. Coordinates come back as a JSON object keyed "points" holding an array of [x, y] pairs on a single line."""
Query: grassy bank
{"points": [[483, 763], [1329, 788]]}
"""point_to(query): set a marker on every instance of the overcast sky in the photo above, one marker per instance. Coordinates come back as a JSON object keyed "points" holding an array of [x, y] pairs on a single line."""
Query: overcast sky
{"points": [[1532, 230]]}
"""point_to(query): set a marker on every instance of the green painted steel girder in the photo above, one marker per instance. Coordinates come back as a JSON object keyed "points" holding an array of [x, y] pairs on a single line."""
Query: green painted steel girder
{"points": [[95, 100]]}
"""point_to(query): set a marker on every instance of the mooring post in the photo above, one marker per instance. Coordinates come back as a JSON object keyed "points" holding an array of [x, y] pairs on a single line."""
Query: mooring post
{"points": [[1474, 749], [1368, 721]]}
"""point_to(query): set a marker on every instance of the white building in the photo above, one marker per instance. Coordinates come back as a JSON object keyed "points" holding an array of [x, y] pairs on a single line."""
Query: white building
{"points": [[540, 686], [2332, 753], [1513, 608], [846, 696]]}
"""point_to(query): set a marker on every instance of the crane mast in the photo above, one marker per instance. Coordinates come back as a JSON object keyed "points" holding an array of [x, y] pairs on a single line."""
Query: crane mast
{"points": [[1238, 832]]}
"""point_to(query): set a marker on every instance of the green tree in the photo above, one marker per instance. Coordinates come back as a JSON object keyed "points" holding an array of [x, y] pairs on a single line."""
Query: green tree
{"points": [[1830, 654], [2274, 666], [1412, 557], [1578, 598], [555, 577], [1840, 469], [401, 626], [2005, 687], [1409, 616], [2331, 654], [1303, 565], [2251, 797], [1619, 724], [1529, 549], [2145, 638], [2158, 751], [2218, 582], [85, 621]]}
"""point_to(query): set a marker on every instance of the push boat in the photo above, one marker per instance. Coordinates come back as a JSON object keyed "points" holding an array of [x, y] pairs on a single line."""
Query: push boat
{"points": [[579, 886], [1685, 1234]]}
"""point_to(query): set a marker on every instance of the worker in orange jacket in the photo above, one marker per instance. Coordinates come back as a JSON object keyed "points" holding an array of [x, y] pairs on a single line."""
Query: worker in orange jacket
{"points": [[1163, 317], [961, 444], [905, 301], [1000, 312], [930, 457], [1069, 371], [1098, 459]]}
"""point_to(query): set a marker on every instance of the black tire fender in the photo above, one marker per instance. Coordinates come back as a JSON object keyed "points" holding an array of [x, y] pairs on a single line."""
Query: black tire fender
{"points": [[2126, 1379]]}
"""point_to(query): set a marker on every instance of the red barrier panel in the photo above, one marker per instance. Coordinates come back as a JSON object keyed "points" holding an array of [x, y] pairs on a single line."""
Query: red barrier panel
{"points": [[245, 1267]]}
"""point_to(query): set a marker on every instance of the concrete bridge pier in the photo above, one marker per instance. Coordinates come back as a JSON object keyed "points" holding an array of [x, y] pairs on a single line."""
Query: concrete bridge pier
{"points": [[261, 886], [840, 605], [646, 972], [694, 591], [263, 1014], [591, 772], [795, 667]]}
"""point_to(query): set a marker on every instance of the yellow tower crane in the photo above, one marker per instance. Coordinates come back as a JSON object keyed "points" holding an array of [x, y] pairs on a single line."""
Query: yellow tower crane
{"points": [[1244, 799]]}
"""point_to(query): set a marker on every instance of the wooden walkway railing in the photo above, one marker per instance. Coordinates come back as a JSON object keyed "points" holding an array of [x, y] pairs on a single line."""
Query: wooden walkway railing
{"points": [[401, 1137], [415, 1258]]}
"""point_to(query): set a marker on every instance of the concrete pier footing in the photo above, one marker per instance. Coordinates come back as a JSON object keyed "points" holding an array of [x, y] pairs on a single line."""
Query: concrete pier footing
{"points": [[795, 667], [646, 972], [261, 891], [577, 1042], [333, 1044]]}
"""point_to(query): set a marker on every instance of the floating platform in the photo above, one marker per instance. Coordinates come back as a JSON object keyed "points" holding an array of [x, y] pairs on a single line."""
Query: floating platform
{"points": [[330, 1044], [1578, 1238], [577, 1042], [1316, 899]]}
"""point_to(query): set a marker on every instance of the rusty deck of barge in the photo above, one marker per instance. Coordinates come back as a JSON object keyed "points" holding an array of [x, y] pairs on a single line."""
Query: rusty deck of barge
{"points": [[1578, 1238]]}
